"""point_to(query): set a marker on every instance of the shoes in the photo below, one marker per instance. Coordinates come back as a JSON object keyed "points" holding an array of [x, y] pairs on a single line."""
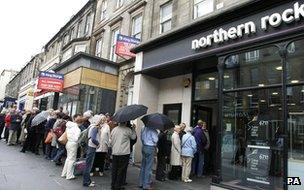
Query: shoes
{"points": [[91, 174], [187, 180], [23, 151], [100, 174], [91, 185]]}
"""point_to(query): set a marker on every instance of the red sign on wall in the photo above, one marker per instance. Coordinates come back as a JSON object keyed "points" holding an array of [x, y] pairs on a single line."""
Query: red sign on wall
{"points": [[124, 44], [51, 82]]}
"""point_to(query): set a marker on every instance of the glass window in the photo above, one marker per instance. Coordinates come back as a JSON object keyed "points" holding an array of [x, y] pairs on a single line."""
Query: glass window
{"points": [[103, 11], [113, 56], [119, 3], [295, 66], [137, 26], [253, 69], [206, 86], [252, 147], [66, 39], [88, 24], [80, 29], [202, 7], [98, 47], [166, 17], [73, 33], [173, 111]]}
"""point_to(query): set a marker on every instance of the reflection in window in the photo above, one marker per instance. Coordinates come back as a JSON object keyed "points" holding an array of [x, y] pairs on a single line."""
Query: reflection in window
{"points": [[264, 68], [252, 140], [295, 59], [206, 86]]}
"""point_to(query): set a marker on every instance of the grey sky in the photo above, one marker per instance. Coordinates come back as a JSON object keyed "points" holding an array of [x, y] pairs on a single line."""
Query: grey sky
{"points": [[27, 25]]}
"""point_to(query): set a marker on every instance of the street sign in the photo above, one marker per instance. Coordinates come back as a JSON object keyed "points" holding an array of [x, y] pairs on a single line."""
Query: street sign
{"points": [[51, 82], [124, 44]]}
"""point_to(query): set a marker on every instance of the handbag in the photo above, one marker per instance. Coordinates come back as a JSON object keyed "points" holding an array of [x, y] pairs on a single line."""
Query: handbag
{"points": [[48, 138], [63, 139]]}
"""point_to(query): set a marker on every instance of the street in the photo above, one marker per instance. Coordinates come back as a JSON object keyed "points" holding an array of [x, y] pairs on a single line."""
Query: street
{"points": [[20, 171]]}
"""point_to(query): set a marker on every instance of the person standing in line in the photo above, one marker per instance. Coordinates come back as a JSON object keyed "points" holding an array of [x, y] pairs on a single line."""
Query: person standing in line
{"points": [[49, 129], [163, 154], [7, 124], [120, 142], [175, 158], [73, 133], [30, 137], [25, 119], [102, 151], [188, 151], [201, 136], [149, 139], [93, 144], [182, 132], [2, 122], [15, 124]]}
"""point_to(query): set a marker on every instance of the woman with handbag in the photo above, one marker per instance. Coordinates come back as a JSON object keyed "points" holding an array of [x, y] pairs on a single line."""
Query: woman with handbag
{"points": [[70, 136]]}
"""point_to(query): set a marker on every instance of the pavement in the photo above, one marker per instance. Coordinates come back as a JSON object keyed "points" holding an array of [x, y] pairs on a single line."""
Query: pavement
{"points": [[19, 171]]}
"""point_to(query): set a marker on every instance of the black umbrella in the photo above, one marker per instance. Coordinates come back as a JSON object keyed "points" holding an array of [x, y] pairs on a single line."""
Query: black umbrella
{"points": [[130, 112], [158, 121]]}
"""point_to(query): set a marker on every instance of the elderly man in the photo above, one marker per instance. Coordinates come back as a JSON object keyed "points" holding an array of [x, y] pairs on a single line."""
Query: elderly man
{"points": [[120, 142]]}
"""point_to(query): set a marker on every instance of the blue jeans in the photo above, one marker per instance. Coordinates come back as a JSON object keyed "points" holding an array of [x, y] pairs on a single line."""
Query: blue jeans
{"points": [[198, 164], [146, 166], [60, 152], [89, 164]]}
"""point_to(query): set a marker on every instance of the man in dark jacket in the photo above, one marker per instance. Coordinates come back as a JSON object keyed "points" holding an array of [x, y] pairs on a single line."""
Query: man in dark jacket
{"points": [[16, 119], [29, 143], [163, 147]]}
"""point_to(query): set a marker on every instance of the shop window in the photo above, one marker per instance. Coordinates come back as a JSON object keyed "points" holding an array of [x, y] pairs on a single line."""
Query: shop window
{"points": [[165, 17], [206, 86], [257, 68], [202, 7], [252, 149], [137, 26], [174, 112]]}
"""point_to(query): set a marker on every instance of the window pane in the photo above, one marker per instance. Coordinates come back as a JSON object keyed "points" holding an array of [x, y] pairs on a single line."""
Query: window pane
{"points": [[166, 26], [295, 66], [166, 12], [202, 7], [296, 132], [137, 26], [206, 86], [255, 68], [252, 146]]}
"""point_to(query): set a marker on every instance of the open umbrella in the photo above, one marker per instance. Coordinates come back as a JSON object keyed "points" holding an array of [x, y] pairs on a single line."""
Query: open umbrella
{"points": [[130, 112], [157, 121], [39, 118]]}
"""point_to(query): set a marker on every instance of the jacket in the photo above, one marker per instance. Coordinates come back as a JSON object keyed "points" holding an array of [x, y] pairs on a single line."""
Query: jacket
{"points": [[188, 145], [104, 138], [120, 140], [73, 131], [175, 158], [93, 136], [7, 120]]}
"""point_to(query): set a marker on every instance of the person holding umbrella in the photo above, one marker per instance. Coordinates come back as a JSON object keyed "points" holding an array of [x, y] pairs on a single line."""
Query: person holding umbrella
{"points": [[149, 137]]}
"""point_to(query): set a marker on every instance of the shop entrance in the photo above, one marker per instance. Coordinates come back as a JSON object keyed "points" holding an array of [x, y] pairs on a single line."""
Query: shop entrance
{"points": [[208, 111]]}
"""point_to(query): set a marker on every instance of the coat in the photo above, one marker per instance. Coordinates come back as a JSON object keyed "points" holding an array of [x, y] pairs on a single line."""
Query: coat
{"points": [[73, 131], [104, 138], [15, 122], [188, 145], [175, 157]]}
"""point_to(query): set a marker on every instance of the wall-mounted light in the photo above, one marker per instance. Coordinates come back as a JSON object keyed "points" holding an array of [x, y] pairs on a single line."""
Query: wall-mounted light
{"points": [[294, 81], [187, 82]]}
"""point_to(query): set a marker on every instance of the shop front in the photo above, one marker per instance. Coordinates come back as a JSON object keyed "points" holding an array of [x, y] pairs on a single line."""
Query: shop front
{"points": [[243, 74], [90, 83]]}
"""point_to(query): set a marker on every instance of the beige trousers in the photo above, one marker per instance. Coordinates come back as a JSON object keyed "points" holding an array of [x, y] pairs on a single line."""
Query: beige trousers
{"points": [[186, 164]]}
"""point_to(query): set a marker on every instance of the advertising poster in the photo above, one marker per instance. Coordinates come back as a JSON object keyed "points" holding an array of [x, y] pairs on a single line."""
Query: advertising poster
{"points": [[51, 82], [124, 45]]}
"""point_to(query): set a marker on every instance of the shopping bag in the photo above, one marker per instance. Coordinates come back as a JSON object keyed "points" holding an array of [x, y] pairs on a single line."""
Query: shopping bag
{"points": [[79, 167], [48, 138]]}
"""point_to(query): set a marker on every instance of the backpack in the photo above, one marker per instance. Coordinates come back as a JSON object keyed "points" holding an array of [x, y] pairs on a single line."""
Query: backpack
{"points": [[84, 137], [60, 129]]}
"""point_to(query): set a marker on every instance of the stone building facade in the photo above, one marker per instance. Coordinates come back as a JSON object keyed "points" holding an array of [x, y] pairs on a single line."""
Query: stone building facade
{"points": [[5, 77]]}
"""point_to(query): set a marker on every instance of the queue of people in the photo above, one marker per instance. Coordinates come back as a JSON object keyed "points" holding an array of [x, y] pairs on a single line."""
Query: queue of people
{"points": [[98, 141]]}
